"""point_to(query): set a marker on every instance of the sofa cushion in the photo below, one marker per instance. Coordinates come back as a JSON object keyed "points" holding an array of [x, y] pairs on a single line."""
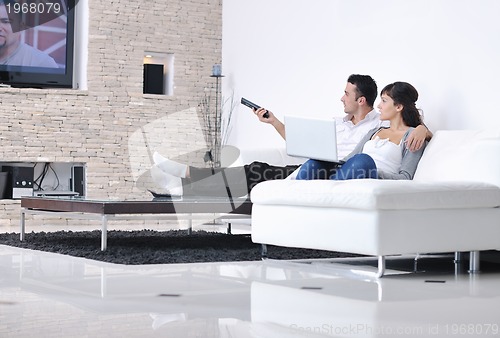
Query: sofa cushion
{"points": [[461, 155], [377, 194]]}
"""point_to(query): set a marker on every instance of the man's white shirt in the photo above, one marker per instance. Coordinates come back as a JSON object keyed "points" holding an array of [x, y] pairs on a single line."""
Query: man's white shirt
{"points": [[26, 55], [349, 134]]}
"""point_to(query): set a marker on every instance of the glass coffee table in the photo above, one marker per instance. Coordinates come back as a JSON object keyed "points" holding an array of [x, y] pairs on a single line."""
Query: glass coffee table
{"points": [[128, 209]]}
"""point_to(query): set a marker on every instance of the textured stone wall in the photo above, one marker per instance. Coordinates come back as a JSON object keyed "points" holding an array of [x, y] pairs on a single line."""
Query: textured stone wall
{"points": [[113, 127]]}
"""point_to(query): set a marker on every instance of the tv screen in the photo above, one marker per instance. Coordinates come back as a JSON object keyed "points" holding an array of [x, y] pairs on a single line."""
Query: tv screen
{"points": [[36, 43]]}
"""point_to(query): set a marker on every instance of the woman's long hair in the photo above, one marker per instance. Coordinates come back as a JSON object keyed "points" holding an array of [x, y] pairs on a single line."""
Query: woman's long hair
{"points": [[406, 95]]}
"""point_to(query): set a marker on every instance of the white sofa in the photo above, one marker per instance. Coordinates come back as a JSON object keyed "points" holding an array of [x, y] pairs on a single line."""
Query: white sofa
{"points": [[451, 205]]}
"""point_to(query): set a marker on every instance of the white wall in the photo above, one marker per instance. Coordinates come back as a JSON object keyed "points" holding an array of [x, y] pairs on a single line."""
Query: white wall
{"points": [[294, 56]]}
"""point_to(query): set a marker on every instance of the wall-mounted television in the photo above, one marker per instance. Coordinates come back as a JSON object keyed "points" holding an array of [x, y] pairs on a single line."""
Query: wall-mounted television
{"points": [[43, 33]]}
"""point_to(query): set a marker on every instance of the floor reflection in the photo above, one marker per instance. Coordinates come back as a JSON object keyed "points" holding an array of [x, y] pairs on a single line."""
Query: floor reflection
{"points": [[74, 297]]}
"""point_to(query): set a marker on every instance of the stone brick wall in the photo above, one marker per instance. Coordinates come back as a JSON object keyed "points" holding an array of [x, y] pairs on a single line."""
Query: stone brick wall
{"points": [[113, 127]]}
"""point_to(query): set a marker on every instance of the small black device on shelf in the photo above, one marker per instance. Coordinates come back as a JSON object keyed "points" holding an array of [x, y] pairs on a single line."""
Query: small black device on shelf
{"points": [[19, 181]]}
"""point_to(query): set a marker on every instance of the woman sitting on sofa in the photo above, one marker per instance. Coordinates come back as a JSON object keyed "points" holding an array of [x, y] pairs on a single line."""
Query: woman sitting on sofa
{"points": [[382, 153]]}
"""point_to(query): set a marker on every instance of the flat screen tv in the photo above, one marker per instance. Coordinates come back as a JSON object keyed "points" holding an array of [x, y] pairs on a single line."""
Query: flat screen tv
{"points": [[44, 52]]}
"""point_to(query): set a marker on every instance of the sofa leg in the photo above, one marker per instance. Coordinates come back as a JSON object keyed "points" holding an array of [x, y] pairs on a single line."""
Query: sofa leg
{"points": [[381, 266], [415, 263], [263, 251], [474, 262]]}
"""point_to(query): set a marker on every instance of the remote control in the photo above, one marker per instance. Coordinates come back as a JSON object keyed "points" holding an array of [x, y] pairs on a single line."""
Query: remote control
{"points": [[253, 106]]}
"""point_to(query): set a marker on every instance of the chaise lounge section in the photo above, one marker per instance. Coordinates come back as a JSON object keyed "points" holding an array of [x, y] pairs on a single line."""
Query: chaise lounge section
{"points": [[451, 205]]}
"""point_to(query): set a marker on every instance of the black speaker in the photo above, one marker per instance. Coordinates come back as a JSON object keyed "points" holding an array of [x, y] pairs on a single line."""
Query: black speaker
{"points": [[19, 181], [153, 78], [78, 179]]}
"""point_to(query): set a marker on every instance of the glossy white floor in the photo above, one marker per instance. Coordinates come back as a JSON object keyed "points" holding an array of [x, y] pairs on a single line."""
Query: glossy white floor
{"points": [[51, 295]]}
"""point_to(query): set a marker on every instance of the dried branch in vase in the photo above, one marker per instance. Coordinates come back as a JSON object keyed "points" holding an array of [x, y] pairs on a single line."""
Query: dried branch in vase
{"points": [[216, 125]]}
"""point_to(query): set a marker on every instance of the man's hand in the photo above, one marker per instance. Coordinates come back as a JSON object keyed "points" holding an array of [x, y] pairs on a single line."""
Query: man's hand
{"points": [[260, 114], [417, 138]]}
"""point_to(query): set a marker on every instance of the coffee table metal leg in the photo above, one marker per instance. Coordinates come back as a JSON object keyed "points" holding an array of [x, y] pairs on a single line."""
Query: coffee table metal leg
{"points": [[104, 233], [23, 224], [190, 224]]}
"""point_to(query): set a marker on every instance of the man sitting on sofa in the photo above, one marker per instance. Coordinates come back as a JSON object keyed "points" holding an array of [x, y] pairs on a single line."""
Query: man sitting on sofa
{"points": [[358, 99]]}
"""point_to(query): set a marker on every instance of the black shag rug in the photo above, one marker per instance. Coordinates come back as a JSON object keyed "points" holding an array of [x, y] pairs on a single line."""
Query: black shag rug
{"points": [[158, 247]]}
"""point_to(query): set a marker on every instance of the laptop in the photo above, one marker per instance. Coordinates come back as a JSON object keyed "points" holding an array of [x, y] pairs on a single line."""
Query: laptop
{"points": [[311, 138]]}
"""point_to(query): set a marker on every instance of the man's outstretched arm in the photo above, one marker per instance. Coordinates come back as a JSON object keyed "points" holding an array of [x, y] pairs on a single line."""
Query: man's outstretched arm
{"points": [[272, 120]]}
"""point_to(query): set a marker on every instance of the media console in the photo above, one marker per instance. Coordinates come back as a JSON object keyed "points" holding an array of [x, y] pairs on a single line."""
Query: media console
{"points": [[19, 179]]}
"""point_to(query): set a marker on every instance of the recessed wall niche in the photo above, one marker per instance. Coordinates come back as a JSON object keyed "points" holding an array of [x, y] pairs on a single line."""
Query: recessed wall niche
{"points": [[158, 73]]}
